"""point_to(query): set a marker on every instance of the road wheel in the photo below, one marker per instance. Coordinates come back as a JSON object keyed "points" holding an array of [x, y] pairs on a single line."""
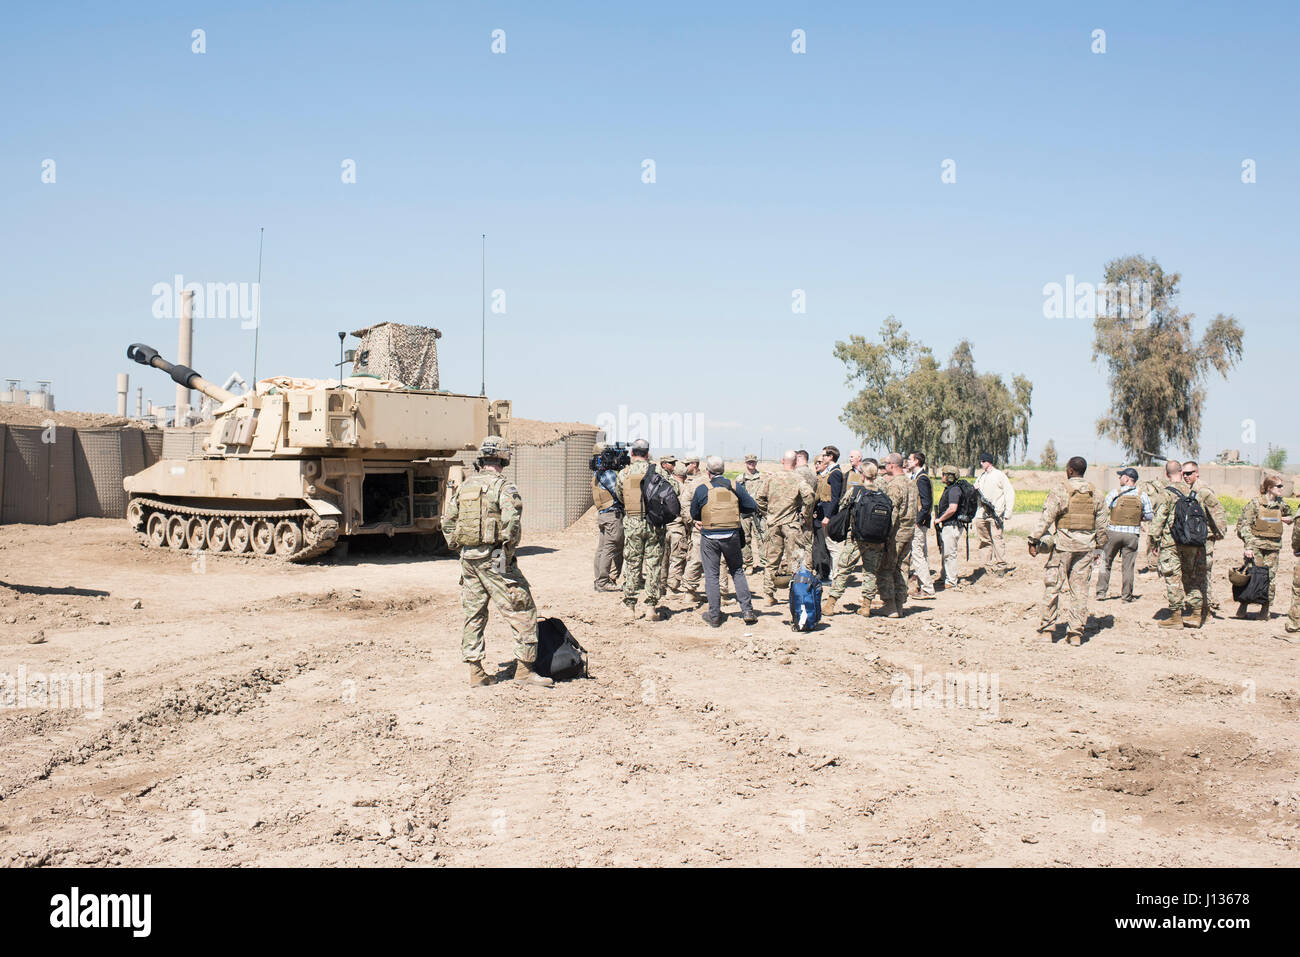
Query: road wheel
{"points": [[135, 515], [176, 532], [263, 537], [196, 532], [157, 530], [288, 538], [218, 534], [240, 535]]}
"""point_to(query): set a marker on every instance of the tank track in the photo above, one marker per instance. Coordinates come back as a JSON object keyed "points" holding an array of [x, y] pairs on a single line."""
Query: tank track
{"points": [[314, 535]]}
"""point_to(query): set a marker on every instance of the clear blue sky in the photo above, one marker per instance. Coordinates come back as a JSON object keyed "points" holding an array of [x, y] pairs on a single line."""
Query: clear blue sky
{"points": [[775, 171]]}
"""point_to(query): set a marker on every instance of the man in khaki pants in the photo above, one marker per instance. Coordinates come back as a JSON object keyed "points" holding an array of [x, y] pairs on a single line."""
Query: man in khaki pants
{"points": [[994, 486]]}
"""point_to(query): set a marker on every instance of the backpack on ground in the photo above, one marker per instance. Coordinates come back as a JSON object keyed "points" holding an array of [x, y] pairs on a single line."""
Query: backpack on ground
{"points": [[805, 600], [1190, 526], [968, 504], [559, 655], [662, 507], [873, 515], [1249, 584]]}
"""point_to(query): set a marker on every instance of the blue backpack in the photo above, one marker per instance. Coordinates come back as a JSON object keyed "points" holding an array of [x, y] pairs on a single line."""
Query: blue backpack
{"points": [[805, 600]]}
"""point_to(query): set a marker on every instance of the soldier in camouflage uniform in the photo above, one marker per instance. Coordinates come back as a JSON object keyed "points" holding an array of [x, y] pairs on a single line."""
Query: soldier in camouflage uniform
{"points": [[694, 567], [871, 555], [1260, 529], [1217, 525], [483, 521], [643, 544], [1293, 616], [752, 524], [675, 529], [809, 475], [898, 551], [1181, 566], [787, 501], [1077, 512]]}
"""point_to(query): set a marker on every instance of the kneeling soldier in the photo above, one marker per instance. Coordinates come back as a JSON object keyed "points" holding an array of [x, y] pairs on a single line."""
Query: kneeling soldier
{"points": [[482, 522]]}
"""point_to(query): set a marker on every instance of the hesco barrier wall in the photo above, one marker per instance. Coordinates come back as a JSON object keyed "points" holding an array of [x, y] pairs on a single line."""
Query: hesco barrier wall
{"points": [[101, 459], [39, 486], [553, 480]]}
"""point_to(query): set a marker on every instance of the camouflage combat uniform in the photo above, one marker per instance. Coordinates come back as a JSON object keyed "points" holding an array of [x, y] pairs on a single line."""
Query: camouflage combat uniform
{"points": [[484, 515], [870, 555], [1077, 533], [694, 567], [898, 551], [1217, 521], [806, 473], [1293, 617], [1181, 566], [787, 501], [674, 533], [752, 555], [1260, 528], [643, 544]]}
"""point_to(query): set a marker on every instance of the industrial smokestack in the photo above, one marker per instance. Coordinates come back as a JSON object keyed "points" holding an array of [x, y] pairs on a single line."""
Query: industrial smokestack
{"points": [[139, 401], [185, 355], [123, 387]]}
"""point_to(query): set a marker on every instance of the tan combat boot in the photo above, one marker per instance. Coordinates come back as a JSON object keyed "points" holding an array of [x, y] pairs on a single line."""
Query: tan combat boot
{"points": [[771, 600], [1198, 619], [653, 613], [1263, 612], [477, 676], [1074, 637], [865, 609], [1175, 620], [828, 606], [524, 672]]}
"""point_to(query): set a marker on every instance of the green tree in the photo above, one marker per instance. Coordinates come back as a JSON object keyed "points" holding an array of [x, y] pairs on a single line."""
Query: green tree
{"points": [[907, 401], [1049, 456], [1275, 459], [1155, 367]]}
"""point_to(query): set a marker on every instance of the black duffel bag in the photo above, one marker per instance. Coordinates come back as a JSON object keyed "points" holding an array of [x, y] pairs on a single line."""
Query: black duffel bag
{"points": [[559, 655], [1249, 584]]}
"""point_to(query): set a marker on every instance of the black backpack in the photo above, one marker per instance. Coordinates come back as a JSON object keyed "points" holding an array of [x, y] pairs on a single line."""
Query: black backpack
{"points": [[873, 515], [662, 506], [559, 655], [837, 529], [969, 503], [1190, 527]]}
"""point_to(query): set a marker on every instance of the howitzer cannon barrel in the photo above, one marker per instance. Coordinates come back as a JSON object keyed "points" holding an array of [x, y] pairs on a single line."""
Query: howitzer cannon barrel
{"points": [[181, 375]]}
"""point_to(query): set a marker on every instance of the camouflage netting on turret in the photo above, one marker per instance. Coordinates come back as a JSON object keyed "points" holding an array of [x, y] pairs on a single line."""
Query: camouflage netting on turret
{"points": [[391, 350]]}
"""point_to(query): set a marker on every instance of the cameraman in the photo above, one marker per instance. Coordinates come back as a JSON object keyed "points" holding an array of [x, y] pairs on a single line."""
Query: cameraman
{"points": [[608, 565]]}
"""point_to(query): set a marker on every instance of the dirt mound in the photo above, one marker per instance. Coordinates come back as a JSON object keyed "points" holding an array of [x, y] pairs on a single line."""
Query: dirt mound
{"points": [[30, 415], [537, 432]]}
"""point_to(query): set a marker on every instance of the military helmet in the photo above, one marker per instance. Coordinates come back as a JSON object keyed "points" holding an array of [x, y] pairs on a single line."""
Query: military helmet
{"points": [[949, 470], [495, 447], [667, 459], [751, 457], [1239, 576]]}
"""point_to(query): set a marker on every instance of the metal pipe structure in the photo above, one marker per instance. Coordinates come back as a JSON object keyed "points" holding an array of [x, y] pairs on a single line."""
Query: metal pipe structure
{"points": [[184, 355], [123, 387], [184, 377]]}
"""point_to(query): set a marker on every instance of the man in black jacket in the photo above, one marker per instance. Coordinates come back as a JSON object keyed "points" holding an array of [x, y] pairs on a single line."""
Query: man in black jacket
{"points": [[717, 506], [923, 587]]}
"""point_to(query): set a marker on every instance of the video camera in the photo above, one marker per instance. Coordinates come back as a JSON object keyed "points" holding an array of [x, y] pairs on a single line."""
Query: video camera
{"points": [[613, 457]]}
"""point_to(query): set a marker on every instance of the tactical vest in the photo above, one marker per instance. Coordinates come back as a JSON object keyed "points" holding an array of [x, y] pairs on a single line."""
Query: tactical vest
{"points": [[824, 486], [1127, 509], [1081, 512], [721, 510], [478, 513], [853, 477], [600, 495], [632, 504], [1268, 523]]}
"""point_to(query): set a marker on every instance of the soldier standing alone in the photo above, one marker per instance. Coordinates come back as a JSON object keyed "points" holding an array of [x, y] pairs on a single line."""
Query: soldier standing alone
{"points": [[1078, 513], [483, 521]]}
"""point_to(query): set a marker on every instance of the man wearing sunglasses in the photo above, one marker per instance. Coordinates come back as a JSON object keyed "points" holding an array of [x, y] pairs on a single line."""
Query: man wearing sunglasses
{"points": [[1217, 523], [1181, 566]]}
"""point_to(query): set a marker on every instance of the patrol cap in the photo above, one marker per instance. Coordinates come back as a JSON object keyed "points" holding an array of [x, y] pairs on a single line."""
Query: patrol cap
{"points": [[668, 459], [751, 457], [641, 447], [692, 459], [1130, 472]]}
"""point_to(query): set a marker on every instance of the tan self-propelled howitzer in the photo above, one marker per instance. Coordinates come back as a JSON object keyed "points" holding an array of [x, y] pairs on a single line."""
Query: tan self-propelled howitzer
{"points": [[290, 468]]}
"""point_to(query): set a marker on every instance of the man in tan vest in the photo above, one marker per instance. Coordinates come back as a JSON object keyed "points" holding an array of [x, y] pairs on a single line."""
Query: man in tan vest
{"points": [[608, 564], [717, 508], [1077, 512]]}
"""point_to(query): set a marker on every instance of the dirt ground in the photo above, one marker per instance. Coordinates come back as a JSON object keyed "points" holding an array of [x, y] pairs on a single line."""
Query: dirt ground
{"points": [[320, 715]]}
